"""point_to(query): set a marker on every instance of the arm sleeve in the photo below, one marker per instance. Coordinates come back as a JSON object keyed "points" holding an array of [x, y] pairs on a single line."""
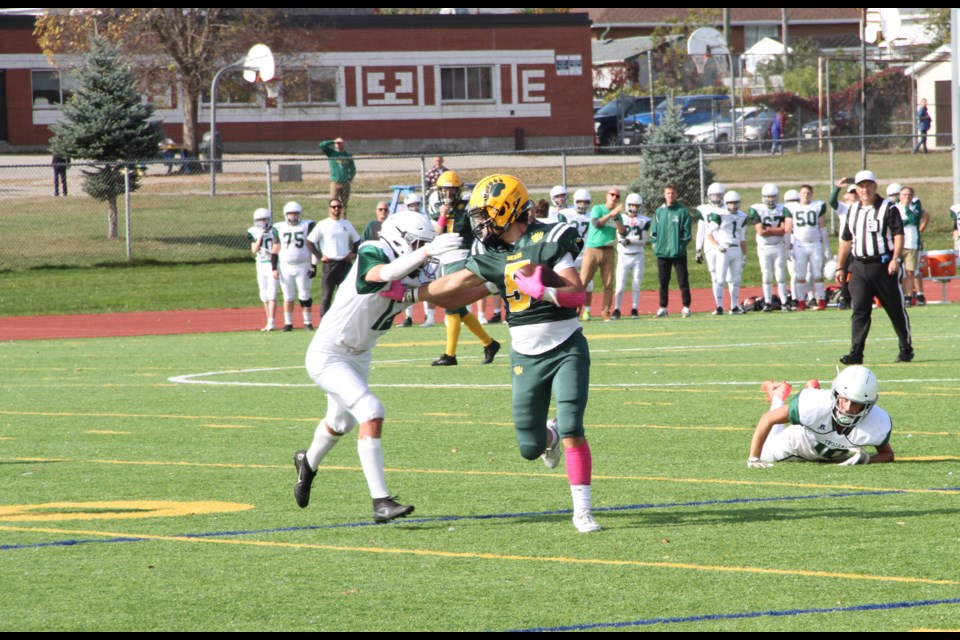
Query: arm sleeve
{"points": [[834, 194]]}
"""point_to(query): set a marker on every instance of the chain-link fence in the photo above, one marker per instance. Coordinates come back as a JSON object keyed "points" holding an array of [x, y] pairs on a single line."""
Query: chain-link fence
{"points": [[173, 217]]}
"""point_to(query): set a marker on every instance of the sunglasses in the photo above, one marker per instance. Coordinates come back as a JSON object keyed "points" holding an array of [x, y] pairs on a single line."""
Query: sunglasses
{"points": [[336, 206], [381, 208]]}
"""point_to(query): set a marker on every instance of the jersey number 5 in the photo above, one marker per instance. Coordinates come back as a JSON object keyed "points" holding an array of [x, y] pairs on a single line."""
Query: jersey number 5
{"points": [[517, 300]]}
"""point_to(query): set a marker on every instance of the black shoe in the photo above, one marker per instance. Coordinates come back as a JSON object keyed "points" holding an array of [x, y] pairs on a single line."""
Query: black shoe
{"points": [[489, 353], [921, 300], [407, 322], [305, 475], [495, 319], [447, 361], [718, 311], [616, 314], [634, 313], [851, 358], [308, 327], [905, 356], [766, 308], [287, 327], [387, 509]]}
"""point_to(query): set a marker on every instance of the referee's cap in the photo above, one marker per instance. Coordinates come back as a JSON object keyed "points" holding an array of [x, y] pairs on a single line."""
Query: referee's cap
{"points": [[865, 176]]}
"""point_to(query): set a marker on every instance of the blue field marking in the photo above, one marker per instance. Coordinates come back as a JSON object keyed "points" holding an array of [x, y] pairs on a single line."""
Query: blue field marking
{"points": [[488, 516], [774, 613]]}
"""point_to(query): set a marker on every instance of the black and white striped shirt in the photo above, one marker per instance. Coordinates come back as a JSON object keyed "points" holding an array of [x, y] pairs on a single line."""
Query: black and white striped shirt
{"points": [[871, 229]]}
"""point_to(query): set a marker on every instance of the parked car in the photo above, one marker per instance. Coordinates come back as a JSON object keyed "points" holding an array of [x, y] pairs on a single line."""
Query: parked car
{"points": [[608, 121], [823, 127], [694, 110], [753, 127]]}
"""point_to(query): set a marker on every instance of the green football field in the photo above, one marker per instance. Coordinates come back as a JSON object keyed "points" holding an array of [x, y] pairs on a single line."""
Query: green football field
{"points": [[147, 485]]}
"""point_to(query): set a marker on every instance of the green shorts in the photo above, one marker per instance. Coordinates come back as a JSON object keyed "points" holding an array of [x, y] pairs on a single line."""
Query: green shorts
{"points": [[564, 374]]}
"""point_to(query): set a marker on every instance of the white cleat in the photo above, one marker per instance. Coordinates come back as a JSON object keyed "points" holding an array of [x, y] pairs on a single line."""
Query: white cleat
{"points": [[428, 323], [482, 318], [551, 455], [661, 313], [686, 312], [585, 523]]}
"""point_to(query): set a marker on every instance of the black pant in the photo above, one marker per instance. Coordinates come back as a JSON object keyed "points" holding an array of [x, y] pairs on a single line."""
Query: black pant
{"points": [[844, 287], [59, 175], [869, 280], [334, 273], [664, 265]]}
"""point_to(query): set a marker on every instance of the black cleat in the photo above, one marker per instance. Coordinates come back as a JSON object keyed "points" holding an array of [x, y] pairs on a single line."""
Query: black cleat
{"points": [[489, 353], [767, 308], [308, 327], [287, 328], [921, 300], [387, 509], [305, 476], [718, 311], [616, 314], [407, 322], [634, 313], [905, 356], [446, 361], [495, 319], [851, 358]]}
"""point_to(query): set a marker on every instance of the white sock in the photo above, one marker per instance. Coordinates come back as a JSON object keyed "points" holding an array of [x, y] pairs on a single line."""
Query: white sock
{"points": [[581, 497], [287, 317], [323, 442], [371, 459], [767, 293], [430, 313], [306, 316], [409, 312]]}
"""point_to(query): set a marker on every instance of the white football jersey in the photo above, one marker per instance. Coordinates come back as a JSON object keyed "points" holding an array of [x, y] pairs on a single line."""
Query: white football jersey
{"points": [[580, 221], [768, 217], [293, 241], [812, 409], [637, 228], [727, 228], [359, 315], [266, 247], [806, 220]]}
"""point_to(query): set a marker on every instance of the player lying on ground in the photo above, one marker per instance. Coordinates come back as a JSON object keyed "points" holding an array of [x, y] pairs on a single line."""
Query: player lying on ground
{"points": [[823, 425]]}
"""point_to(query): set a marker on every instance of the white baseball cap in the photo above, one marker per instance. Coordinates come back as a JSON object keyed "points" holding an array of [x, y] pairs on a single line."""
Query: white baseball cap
{"points": [[865, 176]]}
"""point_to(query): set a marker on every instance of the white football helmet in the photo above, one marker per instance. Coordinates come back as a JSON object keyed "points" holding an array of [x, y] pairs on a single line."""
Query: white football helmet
{"points": [[893, 191], [830, 269], [732, 198], [292, 211], [715, 193], [413, 201], [791, 196], [634, 202], [262, 218], [406, 231], [581, 196], [857, 384], [770, 193], [558, 196]]}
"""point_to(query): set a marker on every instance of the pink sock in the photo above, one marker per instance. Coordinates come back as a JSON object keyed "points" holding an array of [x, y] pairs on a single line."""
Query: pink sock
{"points": [[579, 464]]}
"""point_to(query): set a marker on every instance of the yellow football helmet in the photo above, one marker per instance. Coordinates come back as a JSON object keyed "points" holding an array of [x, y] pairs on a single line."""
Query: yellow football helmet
{"points": [[497, 202], [449, 185]]}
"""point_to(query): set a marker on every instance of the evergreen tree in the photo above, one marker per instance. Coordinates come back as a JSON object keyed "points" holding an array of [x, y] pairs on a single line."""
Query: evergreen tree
{"points": [[106, 122], [668, 158]]}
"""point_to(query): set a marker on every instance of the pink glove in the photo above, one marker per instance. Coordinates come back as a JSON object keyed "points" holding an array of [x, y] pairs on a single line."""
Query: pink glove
{"points": [[531, 285], [395, 291]]}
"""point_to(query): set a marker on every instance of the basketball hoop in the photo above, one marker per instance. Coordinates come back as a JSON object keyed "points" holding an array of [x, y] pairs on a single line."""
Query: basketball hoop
{"points": [[701, 61]]}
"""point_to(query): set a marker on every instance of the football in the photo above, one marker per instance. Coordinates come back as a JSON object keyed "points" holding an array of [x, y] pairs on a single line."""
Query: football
{"points": [[549, 276]]}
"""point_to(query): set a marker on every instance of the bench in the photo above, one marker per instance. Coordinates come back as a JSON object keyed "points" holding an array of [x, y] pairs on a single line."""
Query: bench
{"points": [[943, 280]]}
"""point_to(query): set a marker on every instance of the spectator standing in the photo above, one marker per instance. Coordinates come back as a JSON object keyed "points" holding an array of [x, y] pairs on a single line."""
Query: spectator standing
{"points": [[60, 166], [342, 170], [372, 230], [605, 223], [778, 127], [670, 233], [431, 177], [923, 126]]}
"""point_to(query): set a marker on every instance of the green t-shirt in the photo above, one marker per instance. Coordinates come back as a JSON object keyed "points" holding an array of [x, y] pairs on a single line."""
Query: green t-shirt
{"points": [[605, 236]]}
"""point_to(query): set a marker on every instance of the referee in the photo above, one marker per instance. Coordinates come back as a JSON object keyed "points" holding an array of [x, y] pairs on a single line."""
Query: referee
{"points": [[873, 236]]}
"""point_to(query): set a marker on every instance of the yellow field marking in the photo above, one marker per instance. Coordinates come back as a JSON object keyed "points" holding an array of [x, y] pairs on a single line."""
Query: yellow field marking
{"points": [[114, 510], [510, 474], [466, 555], [227, 426], [6, 438], [109, 433]]}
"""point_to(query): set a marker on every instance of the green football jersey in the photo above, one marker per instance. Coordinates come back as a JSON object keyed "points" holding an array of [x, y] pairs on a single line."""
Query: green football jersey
{"points": [[542, 243]]}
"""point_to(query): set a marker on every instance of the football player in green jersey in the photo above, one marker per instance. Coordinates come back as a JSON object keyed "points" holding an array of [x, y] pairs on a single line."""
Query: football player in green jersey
{"points": [[549, 355]]}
